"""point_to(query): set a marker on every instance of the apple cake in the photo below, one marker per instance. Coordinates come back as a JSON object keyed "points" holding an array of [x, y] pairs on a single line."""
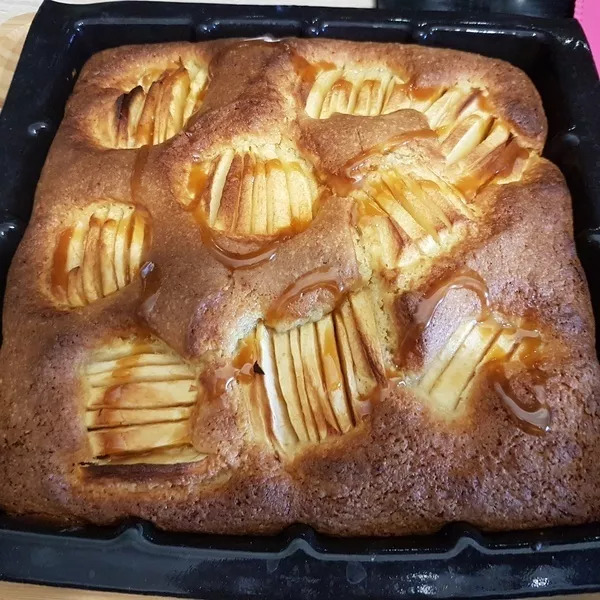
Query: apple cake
{"points": [[316, 281]]}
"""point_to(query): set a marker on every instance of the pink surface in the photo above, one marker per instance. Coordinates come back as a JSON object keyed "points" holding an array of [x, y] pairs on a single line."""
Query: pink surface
{"points": [[587, 12]]}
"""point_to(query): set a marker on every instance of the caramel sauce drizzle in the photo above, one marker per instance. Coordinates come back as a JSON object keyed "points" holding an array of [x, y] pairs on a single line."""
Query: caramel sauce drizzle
{"points": [[242, 369], [59, 274], [197, 187], [308, 72], [323, 278], [462, 279], [420, 93], [151, 280], [500, 163], [238, 260], [534, 417], [368, 208]]}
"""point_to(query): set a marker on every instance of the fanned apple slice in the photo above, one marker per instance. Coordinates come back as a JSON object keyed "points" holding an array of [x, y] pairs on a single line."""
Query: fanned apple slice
{"points": [[283, 431], [144, 394], [138, 438], [466, 137], [279, 214], [115, 417], [365, 379], [101, 254], [337, 99], [415, 189], [260, 417], [316, 379], [75, 293], [409, 202], [355, 90], [108, 236], [135, 99], [259, 199], [288, 385], [161, 456], [384, 197], [90, 267], [496, 138], [315, 423], [396, 96], [140, 397], [218, 184], [449, 386], [179, 90], [158, 107], [262, 190], [146, 127], [444, 111], [332, 373], [363, 311], [302, 191], [347, 365], [446, 354], [319, 91], [196, 93], [313, 378]]}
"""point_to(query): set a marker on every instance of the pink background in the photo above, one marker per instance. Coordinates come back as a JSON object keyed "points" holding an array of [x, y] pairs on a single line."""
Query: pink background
{"points": [[587, 13]]}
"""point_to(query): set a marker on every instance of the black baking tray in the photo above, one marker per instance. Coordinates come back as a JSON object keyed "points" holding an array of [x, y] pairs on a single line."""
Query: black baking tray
{"points": [[458, 561], [532, 8]]}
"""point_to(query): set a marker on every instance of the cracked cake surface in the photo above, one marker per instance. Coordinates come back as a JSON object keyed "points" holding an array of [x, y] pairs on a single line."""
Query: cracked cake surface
{"points": [[317, 281]]}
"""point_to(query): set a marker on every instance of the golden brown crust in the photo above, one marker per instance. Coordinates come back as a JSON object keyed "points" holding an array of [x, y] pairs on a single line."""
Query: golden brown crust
{"points": [[213, 319]]}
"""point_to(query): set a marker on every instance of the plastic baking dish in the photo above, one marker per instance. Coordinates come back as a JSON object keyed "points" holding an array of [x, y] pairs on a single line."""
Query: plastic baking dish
{"points": [[299, 563]]}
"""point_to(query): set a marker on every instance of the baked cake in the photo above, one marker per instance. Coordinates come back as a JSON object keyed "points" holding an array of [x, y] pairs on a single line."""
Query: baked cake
{"points": [[314, 281]]}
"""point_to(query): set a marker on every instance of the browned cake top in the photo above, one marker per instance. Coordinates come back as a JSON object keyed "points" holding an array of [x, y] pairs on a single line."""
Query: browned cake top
{"points": [[305, 280]]}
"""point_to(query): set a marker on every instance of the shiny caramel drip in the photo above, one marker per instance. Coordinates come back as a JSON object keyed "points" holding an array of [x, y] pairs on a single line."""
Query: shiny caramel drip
{"points": [[307, 71], [500, 163], [368, 208], [420, 92], [533, 417], [151, 281], [242, 369], [197, 185], [60, 272], [245, 361], [323, 278], [239, 260], [462, 279]]}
